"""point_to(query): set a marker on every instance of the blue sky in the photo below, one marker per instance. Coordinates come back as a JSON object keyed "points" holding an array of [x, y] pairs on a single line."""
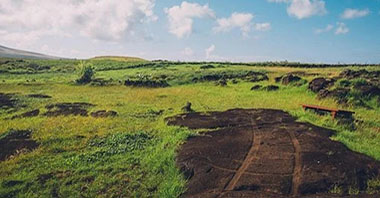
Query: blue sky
{"points": [[330, 31]]}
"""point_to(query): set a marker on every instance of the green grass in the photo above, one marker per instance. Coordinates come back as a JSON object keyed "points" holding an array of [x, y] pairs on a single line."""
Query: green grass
{"points": [[133, 154]]}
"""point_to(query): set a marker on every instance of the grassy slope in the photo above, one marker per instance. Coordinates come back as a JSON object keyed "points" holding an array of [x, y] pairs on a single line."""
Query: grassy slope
{"points": [[150, 172]]}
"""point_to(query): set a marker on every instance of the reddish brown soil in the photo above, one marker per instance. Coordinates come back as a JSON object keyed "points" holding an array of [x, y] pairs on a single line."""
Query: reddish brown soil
{"points": [[15, 141], [266, 153]]}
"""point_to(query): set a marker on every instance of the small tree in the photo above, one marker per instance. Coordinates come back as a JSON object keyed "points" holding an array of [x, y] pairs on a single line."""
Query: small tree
{"points": [[86, 74]]}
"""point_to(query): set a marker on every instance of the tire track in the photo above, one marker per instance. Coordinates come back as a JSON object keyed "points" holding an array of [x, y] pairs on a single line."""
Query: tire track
{"points": [[251, 155], [297, 172]]}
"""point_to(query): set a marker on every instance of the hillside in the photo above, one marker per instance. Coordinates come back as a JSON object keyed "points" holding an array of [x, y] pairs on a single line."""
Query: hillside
{"points": [[6, 52], [118, 58]]}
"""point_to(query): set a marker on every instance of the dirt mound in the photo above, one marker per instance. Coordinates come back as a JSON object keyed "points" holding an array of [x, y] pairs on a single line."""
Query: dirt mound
{"points": [[28, 114], [256, 87], [271, 88], [13, 142], [351, 74], [250, 76], [266, 153], [146, 83], [7, 101], [103, 114], [66, 109], [287, 79], [38, 96], [318, 84]]}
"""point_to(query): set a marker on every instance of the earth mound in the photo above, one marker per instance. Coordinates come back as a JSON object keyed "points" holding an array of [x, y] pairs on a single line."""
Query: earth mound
{"points": [[38, 96], [14, 141], [103, 114], [318, 84], [266, 153], [65, 109], [288, 79], [7, 101], [28, 114]]}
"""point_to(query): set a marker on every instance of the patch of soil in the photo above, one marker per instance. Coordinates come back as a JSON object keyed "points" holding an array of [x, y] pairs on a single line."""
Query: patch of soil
{"points": [[14, 141], [7, 101], [103, 114], [28, 114], [39, 96], [266, 153], [66, 109], [318, 84], [271, 88], [146, 83]]}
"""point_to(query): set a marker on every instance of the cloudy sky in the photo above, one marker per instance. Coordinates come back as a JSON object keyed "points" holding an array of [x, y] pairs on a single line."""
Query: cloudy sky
{"points": [[329, 31]]}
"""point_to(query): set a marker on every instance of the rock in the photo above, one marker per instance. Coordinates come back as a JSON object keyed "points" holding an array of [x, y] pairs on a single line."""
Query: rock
{"points": [[187, 107], [320, 83], [271, 88], [256, 87]]}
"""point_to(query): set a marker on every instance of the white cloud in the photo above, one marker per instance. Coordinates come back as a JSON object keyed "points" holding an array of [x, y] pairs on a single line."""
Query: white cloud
{"points": [[341, 29], [278, 1], [109, 20], [181, 17], [354, 13], [263, 26], [243, 21], [187, 52], [303, 8], [209, 51], [328, 28]]}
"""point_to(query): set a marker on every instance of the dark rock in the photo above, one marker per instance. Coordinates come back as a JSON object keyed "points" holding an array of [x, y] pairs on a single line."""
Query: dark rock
{"points": [[318, 84], [290, 78], [38, 96], [187, 107], [256, 87], [32, 113], [271, 88]]}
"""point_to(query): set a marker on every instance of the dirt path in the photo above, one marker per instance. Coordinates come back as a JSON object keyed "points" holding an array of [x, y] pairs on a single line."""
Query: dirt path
{"points": [[266, 153]]}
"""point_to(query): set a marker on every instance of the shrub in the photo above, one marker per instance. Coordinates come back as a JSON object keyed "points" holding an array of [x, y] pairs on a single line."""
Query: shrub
{"points": [[86, 74]]}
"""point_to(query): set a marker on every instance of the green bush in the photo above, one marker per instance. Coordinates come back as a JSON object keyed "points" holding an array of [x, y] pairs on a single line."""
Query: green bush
{"points": [[86, 74]]}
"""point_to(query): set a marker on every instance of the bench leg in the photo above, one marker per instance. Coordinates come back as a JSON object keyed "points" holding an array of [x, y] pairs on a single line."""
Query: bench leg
{"points": [[333, 114]]}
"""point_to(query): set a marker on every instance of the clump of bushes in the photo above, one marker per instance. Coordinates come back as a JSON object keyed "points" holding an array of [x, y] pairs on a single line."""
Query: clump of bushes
{"points": [[86, 73]]}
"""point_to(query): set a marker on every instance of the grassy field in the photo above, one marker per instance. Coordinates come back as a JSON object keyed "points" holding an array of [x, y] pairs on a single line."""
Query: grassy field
{"points": [[133, 154]]}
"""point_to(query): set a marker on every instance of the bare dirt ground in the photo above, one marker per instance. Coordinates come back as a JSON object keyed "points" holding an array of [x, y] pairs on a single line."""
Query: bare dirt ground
{"points": [[266, 153]]}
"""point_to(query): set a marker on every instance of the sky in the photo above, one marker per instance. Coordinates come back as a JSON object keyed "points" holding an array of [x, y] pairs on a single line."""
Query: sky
{"points": [[328, 31]]}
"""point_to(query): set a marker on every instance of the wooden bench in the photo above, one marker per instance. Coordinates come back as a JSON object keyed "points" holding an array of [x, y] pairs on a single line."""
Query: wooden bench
{"points": [[334, 112]]}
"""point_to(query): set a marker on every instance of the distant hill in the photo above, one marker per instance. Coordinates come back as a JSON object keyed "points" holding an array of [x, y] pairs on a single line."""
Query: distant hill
{"points": [[6, 52], [118, 58]]}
